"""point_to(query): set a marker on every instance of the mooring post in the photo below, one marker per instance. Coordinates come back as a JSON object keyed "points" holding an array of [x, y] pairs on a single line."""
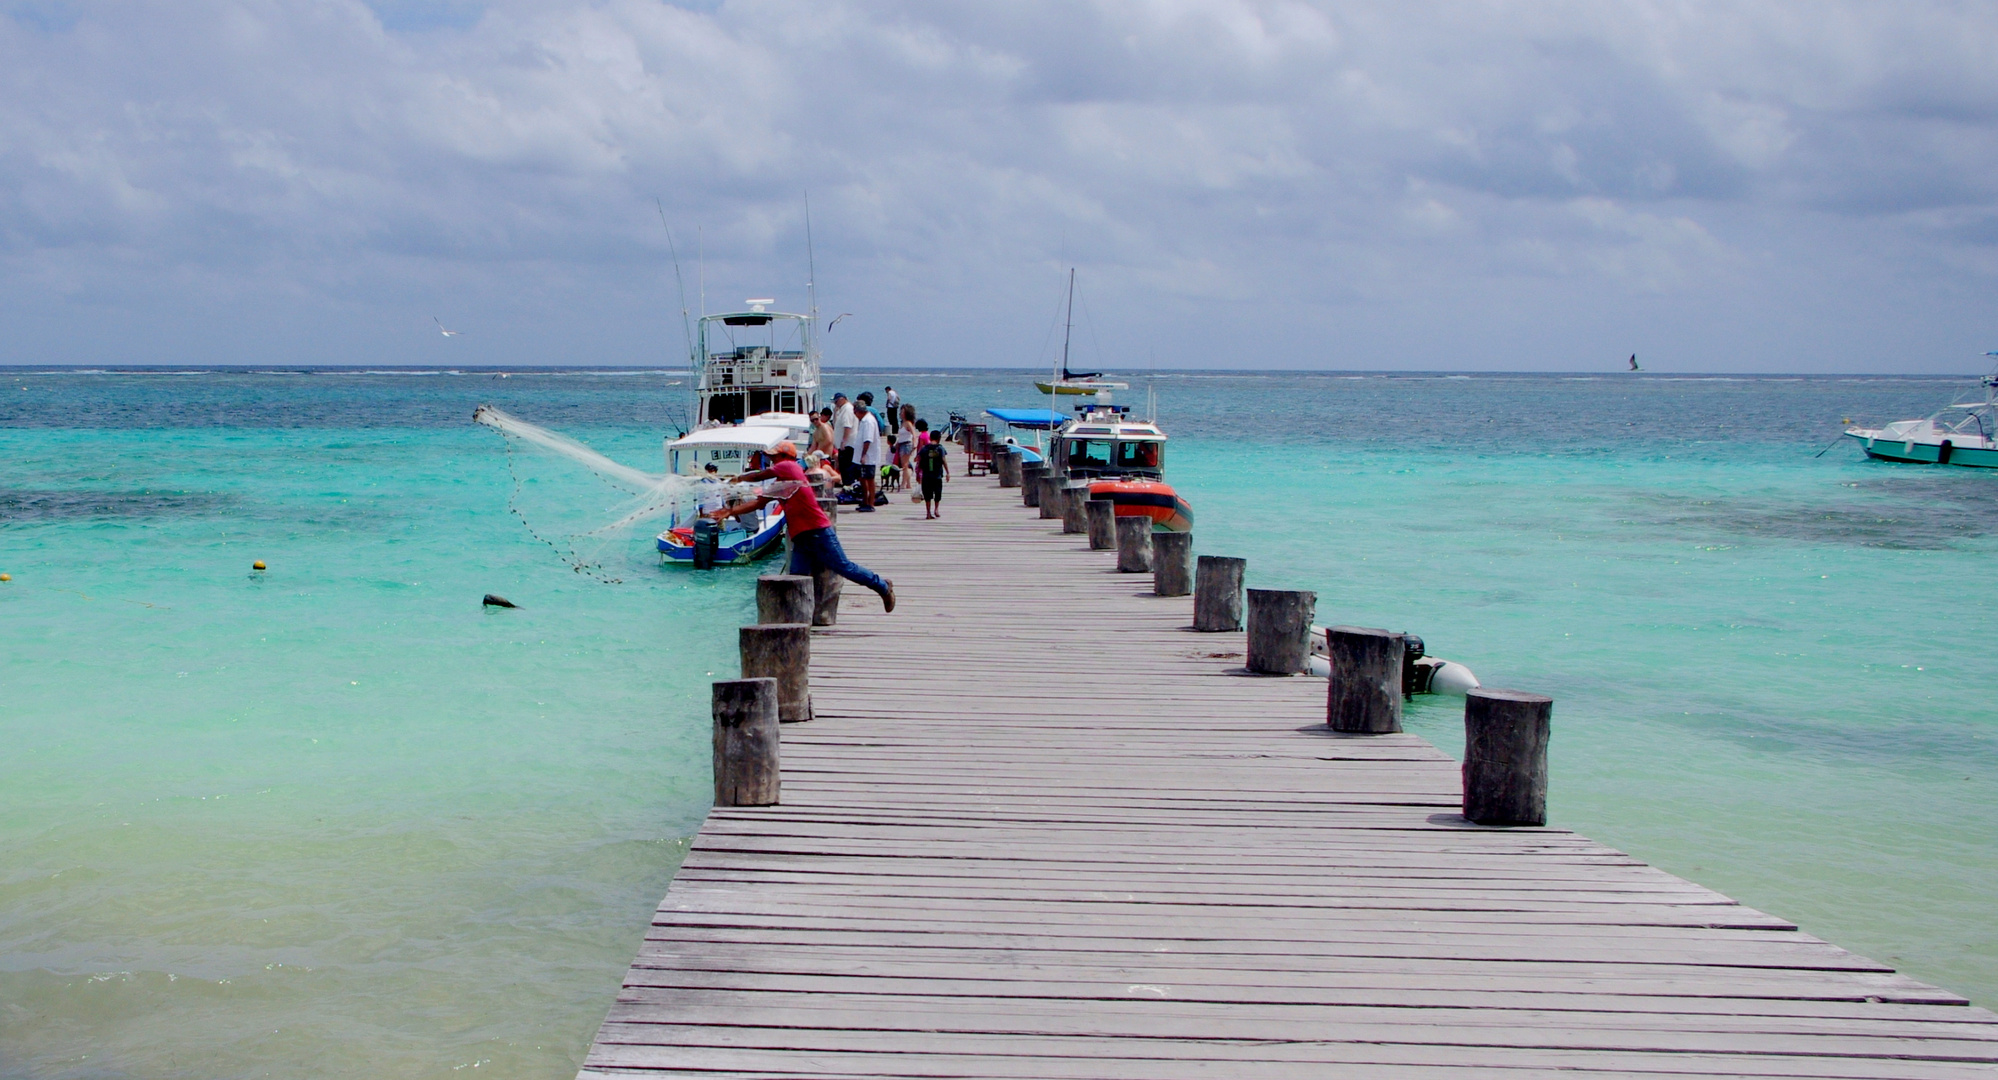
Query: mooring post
{"points": [[1134, 544], [1280, 630], [1505, 756], [1217, 593], [829, 504], [1030, 482], [781, 651], [1172, 563], [1074, 507], [1052, 485], [1008, 460], [1102, 514], [1363, 695], [746, 741], [784, 598], [825, 597]]}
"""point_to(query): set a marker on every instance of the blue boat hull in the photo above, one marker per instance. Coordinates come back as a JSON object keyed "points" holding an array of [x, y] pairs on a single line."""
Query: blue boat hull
{"points": [[736, 548]]}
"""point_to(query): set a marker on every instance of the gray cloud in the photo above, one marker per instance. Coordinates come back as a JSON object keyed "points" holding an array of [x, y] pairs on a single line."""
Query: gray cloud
{"points": [[1758, 187]]}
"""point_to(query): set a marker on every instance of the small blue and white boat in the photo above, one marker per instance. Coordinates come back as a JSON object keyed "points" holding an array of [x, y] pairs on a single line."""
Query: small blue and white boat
{"points": [[1965, 432], [731, 450]]}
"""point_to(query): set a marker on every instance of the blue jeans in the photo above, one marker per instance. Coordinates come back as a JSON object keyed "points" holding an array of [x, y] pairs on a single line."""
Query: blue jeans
{"points": [[818, 549]]}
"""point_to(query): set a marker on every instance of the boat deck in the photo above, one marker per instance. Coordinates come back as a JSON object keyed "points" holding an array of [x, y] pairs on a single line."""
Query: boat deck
{"points": [[1040, 829]]}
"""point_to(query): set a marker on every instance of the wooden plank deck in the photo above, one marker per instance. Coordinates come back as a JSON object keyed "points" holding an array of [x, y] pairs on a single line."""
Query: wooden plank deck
{"points": [[1038, 829]]}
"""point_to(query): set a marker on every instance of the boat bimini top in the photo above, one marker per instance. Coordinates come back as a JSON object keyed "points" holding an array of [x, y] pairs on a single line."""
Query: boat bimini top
{"points": [[728, 448]]}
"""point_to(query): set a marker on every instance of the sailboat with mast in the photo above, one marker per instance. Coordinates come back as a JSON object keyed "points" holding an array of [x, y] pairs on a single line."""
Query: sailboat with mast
{"points": [[1075, 383]]}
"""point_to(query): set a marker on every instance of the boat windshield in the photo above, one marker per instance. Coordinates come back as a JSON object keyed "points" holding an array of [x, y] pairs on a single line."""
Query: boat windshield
{"points": [[1114, 454]]}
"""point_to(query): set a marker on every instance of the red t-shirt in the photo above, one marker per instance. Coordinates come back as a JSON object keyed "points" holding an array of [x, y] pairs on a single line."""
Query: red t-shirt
{"points": [[801, 507]]}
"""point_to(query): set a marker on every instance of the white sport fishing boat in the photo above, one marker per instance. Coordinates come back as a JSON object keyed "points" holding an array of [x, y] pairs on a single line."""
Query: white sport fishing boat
{"points": [[1961, 433], [756, 383]]}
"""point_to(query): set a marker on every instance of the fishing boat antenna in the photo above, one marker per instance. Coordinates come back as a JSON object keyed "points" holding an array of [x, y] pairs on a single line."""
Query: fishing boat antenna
{"points": [[686, 326], [811, 265]]}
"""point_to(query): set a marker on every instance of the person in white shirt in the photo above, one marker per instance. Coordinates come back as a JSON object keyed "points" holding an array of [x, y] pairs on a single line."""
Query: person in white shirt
{"points": [[844, 429], [867, 454], [892, 401]]}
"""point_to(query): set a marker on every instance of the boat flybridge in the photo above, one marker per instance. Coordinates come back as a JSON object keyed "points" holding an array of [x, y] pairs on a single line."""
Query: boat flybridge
{"points": [[756, 383], [1964, 432], [748, 363]]}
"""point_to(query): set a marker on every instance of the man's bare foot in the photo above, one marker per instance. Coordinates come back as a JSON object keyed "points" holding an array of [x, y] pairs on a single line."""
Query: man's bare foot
{"points": [[888, 596]]}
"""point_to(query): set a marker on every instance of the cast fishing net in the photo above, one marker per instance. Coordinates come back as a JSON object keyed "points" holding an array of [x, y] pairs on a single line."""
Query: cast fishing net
{"points": [[571, 522]]}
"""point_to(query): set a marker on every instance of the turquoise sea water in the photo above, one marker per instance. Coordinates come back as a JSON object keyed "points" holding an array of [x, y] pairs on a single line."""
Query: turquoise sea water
{"points": [[336, 819]]}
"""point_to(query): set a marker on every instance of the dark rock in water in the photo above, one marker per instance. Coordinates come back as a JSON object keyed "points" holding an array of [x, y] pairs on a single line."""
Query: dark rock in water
{"points": [[498, 601]]}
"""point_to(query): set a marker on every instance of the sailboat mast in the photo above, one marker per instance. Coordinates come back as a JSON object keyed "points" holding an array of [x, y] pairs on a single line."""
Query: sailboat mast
{"points": [[1068, 323]]}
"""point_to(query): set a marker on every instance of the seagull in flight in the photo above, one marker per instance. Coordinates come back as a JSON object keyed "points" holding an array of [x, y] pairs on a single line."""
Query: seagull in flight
{"points": [[836, 320], [440, 328]]}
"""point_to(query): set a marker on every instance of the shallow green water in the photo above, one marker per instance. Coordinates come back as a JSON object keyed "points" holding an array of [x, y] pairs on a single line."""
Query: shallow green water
{"points": [[337, 819]]}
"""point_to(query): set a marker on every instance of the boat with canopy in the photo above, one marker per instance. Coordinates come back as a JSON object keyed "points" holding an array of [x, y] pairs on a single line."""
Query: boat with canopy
{"points": [[1964, 432]]}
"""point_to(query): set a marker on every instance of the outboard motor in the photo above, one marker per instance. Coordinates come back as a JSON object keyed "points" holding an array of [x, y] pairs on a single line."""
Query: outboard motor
{"points": [[707, 540], [1414, 676]]}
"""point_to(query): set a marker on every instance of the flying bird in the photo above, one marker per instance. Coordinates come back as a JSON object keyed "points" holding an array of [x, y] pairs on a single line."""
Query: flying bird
{"points": [[440, 328], [1633, 363], [836, 320]]}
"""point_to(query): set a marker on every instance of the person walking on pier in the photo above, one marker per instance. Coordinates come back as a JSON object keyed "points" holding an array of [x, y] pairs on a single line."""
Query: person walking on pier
{"points": [[933, 468], [905, 446], [814, 545]]}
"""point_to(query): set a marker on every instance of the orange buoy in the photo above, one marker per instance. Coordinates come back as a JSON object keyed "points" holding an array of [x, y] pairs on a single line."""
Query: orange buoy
{"points": [[258, 565], [6, 577]]}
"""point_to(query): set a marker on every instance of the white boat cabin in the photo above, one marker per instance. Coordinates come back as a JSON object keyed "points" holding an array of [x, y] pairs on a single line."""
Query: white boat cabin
{"points": [[1106, 442]]}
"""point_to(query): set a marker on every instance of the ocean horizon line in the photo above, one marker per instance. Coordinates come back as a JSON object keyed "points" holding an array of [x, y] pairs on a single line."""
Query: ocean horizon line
{"points": [[932, 371]]}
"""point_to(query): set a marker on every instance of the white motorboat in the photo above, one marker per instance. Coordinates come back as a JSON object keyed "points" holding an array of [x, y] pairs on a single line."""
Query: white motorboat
{"points": [[756, 383], [1964, 432]]}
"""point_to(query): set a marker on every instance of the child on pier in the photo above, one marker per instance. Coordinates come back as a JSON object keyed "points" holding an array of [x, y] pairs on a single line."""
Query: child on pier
{"points": [[933, 467]]}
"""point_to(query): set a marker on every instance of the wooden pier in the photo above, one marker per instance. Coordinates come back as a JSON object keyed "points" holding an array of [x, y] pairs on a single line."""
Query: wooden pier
{"points": [[1038, 828]]}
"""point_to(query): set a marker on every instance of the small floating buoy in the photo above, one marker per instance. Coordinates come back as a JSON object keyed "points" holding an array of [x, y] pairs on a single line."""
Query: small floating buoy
{"points": [[498, 601], [6, 577], [258, 565]]}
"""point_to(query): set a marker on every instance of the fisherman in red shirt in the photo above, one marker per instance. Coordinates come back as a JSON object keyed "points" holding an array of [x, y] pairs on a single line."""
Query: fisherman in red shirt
{"points": [[814, 546]]}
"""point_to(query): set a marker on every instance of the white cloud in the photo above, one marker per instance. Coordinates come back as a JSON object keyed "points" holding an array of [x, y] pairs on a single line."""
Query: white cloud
{"points": [[1794, 185]]}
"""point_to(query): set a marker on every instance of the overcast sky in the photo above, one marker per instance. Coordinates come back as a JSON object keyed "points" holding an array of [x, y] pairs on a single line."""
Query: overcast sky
{"points": [[1533, 186]]}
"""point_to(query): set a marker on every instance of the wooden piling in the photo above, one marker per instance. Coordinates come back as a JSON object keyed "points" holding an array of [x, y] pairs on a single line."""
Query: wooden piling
{"points": [[1505, 757], [784, 598], [1030, 482], [746, 742], [1363, 694], [1007, 458], [830, 505], [1217, 593], [1172, 563], [1280, 630], [1134, 545], [825, 598], [782, 651], [1074, 507], [1102, 514], [1052, 485]]}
